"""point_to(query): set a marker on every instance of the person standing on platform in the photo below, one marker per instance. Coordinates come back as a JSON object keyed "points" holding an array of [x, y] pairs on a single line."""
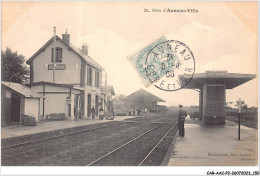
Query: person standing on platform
{"points": [[130, 110], [93, 112], [181, 119]]}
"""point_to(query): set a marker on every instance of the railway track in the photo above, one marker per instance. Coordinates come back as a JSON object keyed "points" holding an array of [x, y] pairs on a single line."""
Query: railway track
{"points": [[99, 160], [69, 134], [55, 137], [35, 142], [16, 150], [46, 147]]}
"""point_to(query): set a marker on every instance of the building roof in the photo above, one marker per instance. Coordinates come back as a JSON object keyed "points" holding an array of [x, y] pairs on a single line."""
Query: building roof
{"points": [[83, 56], [21, 89], [77, 87], [231, 80], [52, 84], [107, 89], [142, 93], [86, 57]]}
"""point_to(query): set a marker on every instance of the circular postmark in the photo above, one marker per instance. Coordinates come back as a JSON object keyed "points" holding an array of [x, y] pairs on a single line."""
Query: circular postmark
{"points": [[170, 65]]}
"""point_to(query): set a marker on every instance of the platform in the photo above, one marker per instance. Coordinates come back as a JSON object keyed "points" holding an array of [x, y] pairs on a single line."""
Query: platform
{"points": [[215, 146], [20, 130]]}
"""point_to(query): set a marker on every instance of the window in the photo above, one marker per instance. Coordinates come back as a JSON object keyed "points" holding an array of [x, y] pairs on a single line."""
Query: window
{"points": [[90, 77], [58, 54], [97, 79]]}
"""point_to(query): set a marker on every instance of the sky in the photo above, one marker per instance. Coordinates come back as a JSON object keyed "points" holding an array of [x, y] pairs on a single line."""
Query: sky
{"points": [[222, 36]]}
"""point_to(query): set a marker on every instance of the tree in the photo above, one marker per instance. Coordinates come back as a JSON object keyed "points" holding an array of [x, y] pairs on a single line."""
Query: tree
{"points": [[228, 105], [119, 97], [243, 104], [13, 67]]}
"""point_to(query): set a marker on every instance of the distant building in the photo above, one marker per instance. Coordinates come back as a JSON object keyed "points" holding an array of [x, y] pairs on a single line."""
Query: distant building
{"points": [[75, 85], [18, 100], [143, 99]]}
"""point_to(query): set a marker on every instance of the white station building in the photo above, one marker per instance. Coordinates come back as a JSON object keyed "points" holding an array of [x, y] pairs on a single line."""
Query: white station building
{"points": [[75, 85]]}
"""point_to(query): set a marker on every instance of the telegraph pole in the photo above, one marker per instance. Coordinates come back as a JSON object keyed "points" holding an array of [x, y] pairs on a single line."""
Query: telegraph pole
{"points": [[54, 54]]}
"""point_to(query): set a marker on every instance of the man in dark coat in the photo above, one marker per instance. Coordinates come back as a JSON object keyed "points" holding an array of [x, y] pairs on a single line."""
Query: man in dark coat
{"points": [[181, 119], [93, 112]]}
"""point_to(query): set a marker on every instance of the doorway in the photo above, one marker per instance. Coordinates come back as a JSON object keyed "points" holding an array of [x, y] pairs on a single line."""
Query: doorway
{"points": [[89, 105], [96, 105], [15, 108]]}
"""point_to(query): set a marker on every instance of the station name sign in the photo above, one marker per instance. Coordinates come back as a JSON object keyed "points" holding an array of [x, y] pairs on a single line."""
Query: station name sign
{"points": [[57, 66]]}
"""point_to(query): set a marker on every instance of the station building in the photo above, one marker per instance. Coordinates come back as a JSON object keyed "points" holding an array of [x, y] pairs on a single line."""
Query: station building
{"points": [[74, 87], [143, 99], [212, 87]]}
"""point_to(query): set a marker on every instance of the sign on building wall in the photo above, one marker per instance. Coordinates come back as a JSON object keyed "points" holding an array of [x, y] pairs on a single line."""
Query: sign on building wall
{"points": [[57, 67]]}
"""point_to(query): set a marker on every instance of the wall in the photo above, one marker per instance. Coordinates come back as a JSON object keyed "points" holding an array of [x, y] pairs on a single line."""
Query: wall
{"points": [[214, 101], [56, 103], [71, 74], [32, 107], [92, 89], [93, 75], [55, 99]]}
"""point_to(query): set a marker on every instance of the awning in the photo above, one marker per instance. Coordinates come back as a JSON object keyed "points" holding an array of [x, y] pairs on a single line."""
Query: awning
{"points": [[231, 80]]}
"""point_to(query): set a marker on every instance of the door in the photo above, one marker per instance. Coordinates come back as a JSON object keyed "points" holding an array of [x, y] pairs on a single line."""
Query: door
{"points": [[89, 105], [5, 111], [76, 112], [15, 108], [96, 105], [79, 106], [82, 104]]}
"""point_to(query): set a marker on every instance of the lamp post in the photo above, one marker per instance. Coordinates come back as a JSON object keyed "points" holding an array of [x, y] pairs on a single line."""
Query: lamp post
{"points": [[239, 114]]}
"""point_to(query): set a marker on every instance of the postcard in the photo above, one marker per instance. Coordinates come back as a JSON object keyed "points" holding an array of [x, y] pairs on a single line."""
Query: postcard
{"points": [[112, 83]]}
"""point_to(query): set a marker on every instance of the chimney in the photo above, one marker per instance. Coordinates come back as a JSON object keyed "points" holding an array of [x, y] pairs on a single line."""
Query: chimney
{"points": [[66, 37], [84, 49]]}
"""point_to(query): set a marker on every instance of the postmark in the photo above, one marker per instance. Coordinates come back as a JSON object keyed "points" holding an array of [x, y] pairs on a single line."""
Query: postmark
{"points": [[167, 64], [170, 65]]}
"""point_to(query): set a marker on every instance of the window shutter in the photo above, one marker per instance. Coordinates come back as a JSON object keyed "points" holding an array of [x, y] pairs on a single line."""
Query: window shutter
{"points": [[61, 55], [52, 55], [90, 76], [59, 51], [97, 79]]}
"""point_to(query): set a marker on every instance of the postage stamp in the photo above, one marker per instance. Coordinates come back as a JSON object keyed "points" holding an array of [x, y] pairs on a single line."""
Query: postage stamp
{"points": [[167, 64], [139, 61]]}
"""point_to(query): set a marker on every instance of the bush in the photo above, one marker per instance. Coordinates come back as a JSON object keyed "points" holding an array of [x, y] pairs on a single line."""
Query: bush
{"points": [[29, 120]]}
